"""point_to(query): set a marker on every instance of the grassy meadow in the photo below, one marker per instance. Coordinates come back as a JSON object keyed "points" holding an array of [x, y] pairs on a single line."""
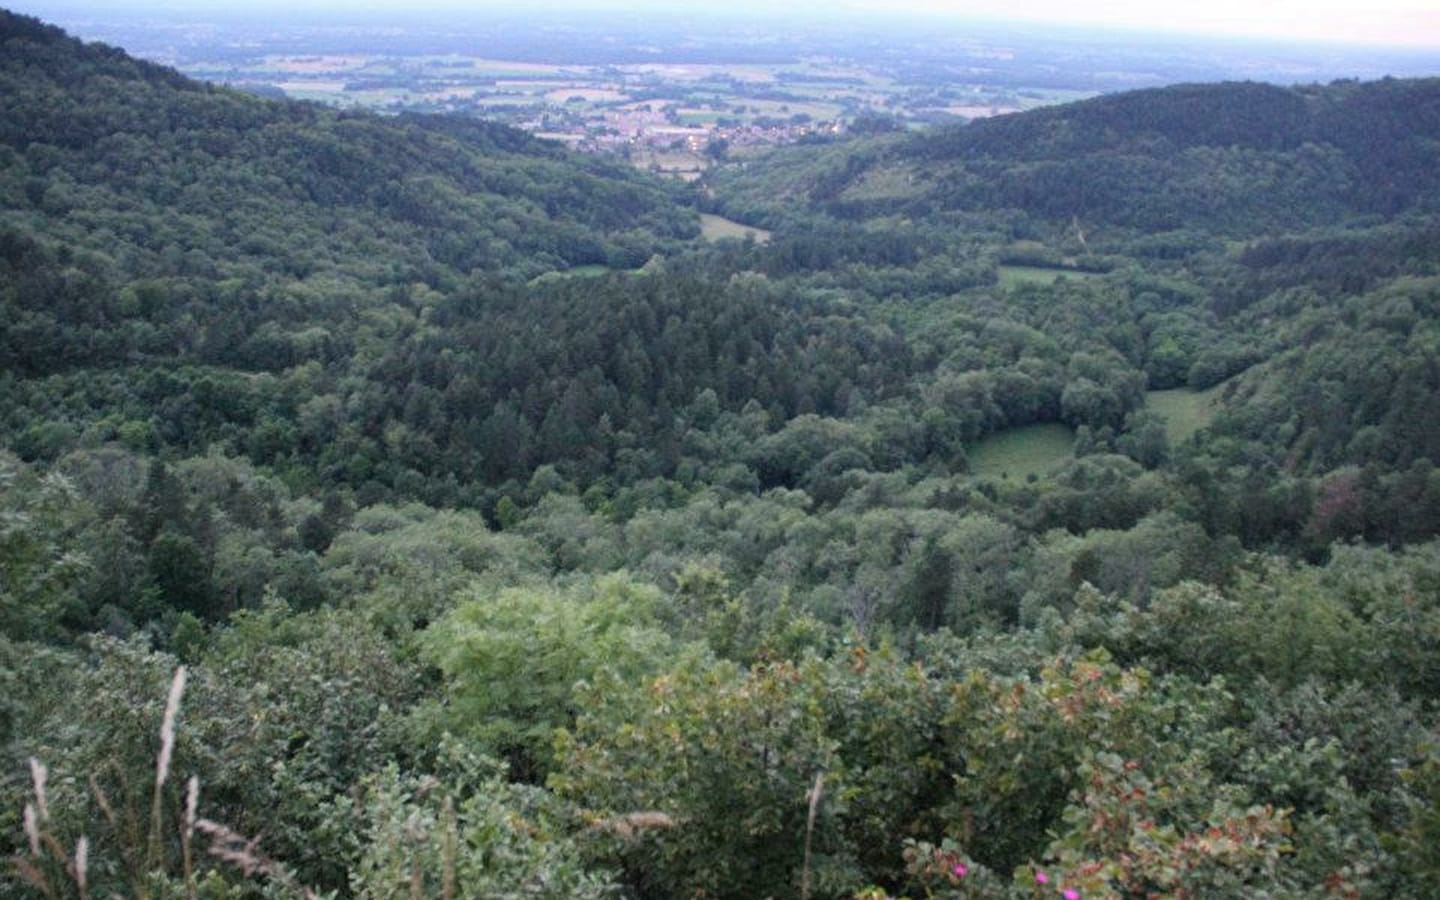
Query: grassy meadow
{"points": [[1185, 411], [1022, 452], [1014, 276], [714, 228]]}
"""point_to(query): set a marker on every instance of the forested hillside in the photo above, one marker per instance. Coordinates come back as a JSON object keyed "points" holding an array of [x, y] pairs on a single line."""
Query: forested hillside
{"points": [[1237, 158], [148, 215], [1048, 509]]}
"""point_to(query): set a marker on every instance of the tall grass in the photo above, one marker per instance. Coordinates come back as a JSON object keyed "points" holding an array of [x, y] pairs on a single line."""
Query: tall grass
{"points": [[144, 858]]}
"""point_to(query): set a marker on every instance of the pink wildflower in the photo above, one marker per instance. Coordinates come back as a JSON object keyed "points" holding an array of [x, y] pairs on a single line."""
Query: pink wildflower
{"points": [[960, 870], [1041, 877], [1071, 894]]}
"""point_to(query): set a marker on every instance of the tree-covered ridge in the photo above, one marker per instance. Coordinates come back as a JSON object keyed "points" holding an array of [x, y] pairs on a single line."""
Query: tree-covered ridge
{"points": [[1236, 158], [157, 172], [1248, 115]]}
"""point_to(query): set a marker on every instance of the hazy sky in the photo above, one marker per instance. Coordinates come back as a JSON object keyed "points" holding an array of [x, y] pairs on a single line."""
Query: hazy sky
{"points": [[1410, 22], [1388, 21]]}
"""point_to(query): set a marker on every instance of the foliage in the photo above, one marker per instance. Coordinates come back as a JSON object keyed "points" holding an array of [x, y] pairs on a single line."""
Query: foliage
{"points": [[515, 663], [40, 567], [692, 577], [466, 833]]}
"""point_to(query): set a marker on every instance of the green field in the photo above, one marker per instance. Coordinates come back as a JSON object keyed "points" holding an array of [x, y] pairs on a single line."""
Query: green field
{"points": [[714, 228], [588, 271], [673, 162], [1022, 452], [885, 182], [1185, 411], [1013, 276]]}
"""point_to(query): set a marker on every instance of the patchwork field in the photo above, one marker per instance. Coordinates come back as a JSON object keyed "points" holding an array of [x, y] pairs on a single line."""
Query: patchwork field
{"points": [[585, 95], [628, 108]]}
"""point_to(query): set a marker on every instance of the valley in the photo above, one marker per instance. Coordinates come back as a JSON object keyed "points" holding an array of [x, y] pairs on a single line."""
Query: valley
{"points": [[396, 503]]}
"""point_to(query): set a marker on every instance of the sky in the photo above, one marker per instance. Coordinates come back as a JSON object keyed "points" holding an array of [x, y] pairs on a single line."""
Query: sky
{"points": [[1414, 23]]}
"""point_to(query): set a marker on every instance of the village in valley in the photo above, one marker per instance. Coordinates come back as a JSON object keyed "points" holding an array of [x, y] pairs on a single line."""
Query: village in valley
{"points": [[673, 118], [674, 97]]}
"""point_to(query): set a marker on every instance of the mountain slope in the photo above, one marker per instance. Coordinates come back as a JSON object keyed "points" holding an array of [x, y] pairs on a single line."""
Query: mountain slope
{"points": [[1236, 158], [92, 140], [350, 297]]}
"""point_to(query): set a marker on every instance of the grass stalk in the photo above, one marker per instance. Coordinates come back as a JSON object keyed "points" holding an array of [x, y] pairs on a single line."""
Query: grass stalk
{"points": [[187, 834], [816, 793], [154, 855], [448, 850]]}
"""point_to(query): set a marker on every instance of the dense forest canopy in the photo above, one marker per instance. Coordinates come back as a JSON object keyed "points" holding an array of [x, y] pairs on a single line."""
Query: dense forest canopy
{"points": [[1048, 508]]}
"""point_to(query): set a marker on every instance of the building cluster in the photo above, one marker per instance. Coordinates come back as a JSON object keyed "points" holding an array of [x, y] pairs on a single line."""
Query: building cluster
{"points": [[639, 128]]}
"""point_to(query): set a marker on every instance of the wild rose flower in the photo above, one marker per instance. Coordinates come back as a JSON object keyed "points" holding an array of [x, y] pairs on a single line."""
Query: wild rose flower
{"points": [[1071, 894], [960, 871], [1041, 877]]}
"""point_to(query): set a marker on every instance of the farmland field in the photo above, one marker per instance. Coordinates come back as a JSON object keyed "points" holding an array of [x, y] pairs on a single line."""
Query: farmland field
{"points": [[585, 94], [680, 163], [714, 228]]}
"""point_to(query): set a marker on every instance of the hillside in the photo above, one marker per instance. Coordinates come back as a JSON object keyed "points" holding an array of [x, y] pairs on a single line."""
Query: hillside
{"points": [[144, 184], [406, 506], [1236, 158]]}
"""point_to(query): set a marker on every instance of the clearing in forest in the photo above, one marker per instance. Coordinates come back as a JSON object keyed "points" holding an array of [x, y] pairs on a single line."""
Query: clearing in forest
{"points": [[1014, 276], [1021, 452], [714, 228], [1184, 410], [592, 270]]}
